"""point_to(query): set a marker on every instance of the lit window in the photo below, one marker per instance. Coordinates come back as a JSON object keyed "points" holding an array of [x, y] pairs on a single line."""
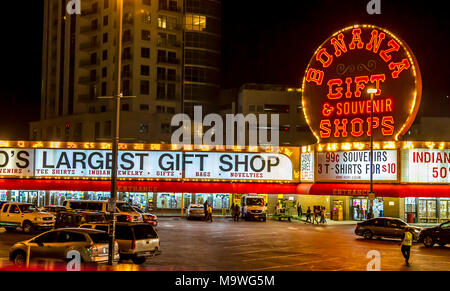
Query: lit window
{"points": [[195, 22]]}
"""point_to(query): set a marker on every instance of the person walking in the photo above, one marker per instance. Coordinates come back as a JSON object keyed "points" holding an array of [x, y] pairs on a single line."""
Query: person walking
{"points": [[407, 241], [233, 212], [205, 208], [315, 214], [238, 212], [210, 213], [308, 214], [324, 215], [299, 211]]}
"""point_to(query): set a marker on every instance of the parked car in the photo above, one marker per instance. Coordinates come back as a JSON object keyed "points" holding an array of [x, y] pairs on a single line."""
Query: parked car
{"points": [[195, 211], [436, 235], [25, 216], [54, 209], [385, 227], [137, 241], [93, 246], [75, 219], [147, 217], [102, 206]]}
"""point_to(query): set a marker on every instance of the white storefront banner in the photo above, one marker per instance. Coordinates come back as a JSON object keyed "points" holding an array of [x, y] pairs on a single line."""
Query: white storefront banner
{"points": [[97, 163], [355, 166], [425, 166], [238, 166], [163, 165], [307, 167], [16, 162]]}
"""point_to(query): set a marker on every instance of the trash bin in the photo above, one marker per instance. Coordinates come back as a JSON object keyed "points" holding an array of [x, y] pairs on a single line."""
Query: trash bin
{"points": [[410, 217]]}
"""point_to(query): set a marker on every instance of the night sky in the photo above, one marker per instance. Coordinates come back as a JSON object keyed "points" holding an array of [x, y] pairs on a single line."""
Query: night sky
{"points": [[263, 42]]}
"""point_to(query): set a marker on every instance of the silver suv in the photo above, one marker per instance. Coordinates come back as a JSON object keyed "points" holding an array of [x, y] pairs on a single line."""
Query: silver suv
{"points": [[137, 241]]}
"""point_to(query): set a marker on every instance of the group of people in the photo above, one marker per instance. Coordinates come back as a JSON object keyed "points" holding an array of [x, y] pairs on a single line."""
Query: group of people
{"points": [[319, 215]]}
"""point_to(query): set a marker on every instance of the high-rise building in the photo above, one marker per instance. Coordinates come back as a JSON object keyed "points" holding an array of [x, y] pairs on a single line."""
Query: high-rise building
{"points": [[170, 49]]}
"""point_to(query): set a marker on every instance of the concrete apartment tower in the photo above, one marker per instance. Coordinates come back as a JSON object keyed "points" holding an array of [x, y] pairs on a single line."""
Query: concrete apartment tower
{"points": [[170, 61]]}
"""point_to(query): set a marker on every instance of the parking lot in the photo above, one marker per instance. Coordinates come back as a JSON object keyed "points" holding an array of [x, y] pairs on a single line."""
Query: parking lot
{"points": [[273, 245]]}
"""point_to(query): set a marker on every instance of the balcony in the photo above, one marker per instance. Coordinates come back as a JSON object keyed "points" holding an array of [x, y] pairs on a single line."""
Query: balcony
{"points": [[168, 61], [87, 80], [89, 64], [89, 29], [169, 8], [127, 40], [90, 46], [89, 13], [162, 78], [164, 43], [86, 98]]}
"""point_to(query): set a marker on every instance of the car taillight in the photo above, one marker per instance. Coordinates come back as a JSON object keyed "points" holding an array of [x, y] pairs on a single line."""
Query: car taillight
{"points": [[133, 244], [94, 250], [129, 218]]}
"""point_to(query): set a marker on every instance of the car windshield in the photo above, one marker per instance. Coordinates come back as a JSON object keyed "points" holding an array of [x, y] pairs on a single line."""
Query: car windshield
{"points": [[99, 237], [125, 207], [144, 232], [446, 225], [138, 210], [255, 201], [96, 218], [27, 208]]}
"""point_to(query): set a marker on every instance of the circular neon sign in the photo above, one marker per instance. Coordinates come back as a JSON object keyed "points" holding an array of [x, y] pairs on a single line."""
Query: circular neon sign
{"points": [[336, 102]]}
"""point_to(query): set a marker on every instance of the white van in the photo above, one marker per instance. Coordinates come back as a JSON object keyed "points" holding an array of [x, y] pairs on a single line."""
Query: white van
{"points": [[122, 207], [253, 207]]}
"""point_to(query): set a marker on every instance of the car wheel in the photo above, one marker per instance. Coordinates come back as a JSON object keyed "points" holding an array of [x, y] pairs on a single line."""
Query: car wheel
{"points": [[368, 234], [264, 219], [138, 260], [428, 241], [19, 258], [27, 227]]}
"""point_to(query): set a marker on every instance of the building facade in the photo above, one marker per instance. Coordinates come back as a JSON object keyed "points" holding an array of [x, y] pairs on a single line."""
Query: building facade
{"points": [[160, 46], [275, 99]]}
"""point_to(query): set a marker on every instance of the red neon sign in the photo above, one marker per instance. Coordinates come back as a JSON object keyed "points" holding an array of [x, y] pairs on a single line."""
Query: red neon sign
{"points": [[335, 99]]}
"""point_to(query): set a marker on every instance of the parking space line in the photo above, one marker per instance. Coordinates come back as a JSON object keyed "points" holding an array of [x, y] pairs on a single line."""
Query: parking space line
{"points": [[265, 250], [300, 264], [275, 257], [244, 234]]}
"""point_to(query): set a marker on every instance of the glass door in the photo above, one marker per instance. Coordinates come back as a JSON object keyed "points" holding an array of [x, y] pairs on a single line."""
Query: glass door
{"points": [[444, 210]]}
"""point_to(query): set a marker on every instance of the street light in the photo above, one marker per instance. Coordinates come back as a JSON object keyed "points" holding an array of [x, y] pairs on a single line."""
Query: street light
{"points": [[115, 145], [371, 197]]}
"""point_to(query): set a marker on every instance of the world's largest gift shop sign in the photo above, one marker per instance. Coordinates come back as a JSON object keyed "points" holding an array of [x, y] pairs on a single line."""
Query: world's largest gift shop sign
{"points": [[335, 99]]}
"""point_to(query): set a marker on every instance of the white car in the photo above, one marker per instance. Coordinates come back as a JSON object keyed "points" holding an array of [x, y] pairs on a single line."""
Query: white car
{"points": [[195, 211]]}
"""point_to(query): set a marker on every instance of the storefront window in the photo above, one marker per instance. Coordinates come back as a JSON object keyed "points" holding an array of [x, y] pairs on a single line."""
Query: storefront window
{"points": [[169, 200], [187, 198], [427, 210], [218, 201], [2, 195], [444, 210]]}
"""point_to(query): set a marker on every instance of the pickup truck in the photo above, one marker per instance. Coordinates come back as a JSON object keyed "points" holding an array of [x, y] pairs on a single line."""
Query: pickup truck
{"points": [[24, 215]]}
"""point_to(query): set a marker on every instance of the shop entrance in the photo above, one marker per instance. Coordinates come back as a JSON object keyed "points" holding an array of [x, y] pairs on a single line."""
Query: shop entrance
{"points": [[360, 208]]}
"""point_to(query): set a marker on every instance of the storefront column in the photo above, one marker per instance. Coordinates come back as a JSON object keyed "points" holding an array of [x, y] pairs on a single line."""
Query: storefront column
{"points": [[47, 198], [155, 201], [8, 195]]}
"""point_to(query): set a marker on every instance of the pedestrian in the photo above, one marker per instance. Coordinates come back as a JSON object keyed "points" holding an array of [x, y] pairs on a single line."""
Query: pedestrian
{"points": [[205, 207], [315, 214], [210, 213], [308, 214], [233, 211], [324, 215], [407, 240], [238, 212], [299, 211]]}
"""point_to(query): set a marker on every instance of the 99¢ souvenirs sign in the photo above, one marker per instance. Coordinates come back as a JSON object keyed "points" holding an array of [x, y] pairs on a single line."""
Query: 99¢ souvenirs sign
{"points": [[335, 100], [355, 166]]}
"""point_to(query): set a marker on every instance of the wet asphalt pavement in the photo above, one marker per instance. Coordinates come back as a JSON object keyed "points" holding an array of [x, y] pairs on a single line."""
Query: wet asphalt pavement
{"points": [[269, 246]]}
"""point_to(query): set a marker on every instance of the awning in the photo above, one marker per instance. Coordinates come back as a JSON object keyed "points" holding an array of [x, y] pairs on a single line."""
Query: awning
{"points": [[381, 190], [328, 189]]}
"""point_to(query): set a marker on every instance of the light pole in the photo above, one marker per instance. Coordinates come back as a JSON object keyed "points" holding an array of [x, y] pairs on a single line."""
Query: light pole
{"points": [[371, 91]]}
